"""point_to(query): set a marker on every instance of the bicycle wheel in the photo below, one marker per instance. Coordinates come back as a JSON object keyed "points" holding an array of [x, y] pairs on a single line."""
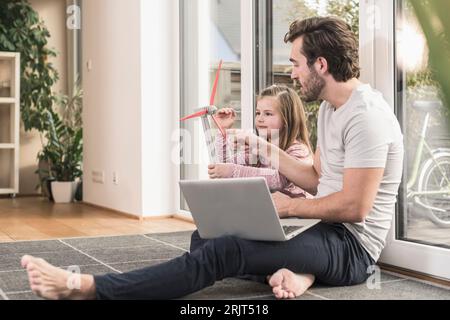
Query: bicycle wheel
{"points": [[434, 176]]}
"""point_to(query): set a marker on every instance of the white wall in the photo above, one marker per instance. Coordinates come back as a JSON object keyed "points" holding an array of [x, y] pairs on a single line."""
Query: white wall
{"points": [[112, 103], [160, 104], [129, 106]]}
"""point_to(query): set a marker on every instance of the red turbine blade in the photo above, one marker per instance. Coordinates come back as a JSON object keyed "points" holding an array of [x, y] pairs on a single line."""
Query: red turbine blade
{"points": [[213, 93], [220, 127], [195, 115]]}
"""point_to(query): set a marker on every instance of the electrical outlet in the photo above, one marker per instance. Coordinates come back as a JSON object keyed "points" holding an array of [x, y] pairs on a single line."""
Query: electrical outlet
{"points": [[98, 176], [115, 178]]}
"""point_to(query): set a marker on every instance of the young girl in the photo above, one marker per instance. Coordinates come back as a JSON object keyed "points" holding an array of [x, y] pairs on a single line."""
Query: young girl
{"points": [[278, 108]]}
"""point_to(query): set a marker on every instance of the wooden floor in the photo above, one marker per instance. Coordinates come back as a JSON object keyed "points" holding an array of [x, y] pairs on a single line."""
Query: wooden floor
{"points": [[38, 219]]}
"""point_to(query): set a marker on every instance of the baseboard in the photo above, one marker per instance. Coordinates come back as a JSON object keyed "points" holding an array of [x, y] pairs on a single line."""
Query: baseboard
{"points": [[18, 195], [164, 216], [415, 275], [180, 217], [129, 215]]}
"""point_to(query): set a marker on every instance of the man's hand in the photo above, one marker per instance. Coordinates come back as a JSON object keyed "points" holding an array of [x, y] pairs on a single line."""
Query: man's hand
{"points": [[254, 145], [248, 137], [220, 170], [282, 203]]}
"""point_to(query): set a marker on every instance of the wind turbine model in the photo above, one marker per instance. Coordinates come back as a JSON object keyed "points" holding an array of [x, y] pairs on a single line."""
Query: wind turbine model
{"points": [[203, 113]]}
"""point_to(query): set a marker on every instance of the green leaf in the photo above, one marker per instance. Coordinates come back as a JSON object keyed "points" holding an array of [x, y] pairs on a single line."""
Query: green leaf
{"points": [[432, 16]]}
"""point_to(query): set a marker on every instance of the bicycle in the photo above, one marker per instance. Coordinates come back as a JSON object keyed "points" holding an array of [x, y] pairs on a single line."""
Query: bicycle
{"points": [[429, 183]]}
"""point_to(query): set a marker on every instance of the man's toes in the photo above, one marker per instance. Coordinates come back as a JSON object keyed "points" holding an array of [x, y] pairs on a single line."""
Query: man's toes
{"points": [[275, 280], [36, 288], [39, 262], [279, 293], [31, 267], [291, 295], [34, 274], [35, 282], [276, 290], [25, 260]]}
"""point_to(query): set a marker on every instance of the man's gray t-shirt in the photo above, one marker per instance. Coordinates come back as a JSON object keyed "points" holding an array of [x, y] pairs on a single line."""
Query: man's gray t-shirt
{"points": [[362, 133]]}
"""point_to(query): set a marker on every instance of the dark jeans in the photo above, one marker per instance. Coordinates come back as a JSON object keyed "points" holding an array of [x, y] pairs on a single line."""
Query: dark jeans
{"points": [[328, 251]]}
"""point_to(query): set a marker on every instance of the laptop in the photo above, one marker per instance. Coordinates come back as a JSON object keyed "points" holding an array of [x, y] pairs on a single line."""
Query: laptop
{"points": [[241, 207]]}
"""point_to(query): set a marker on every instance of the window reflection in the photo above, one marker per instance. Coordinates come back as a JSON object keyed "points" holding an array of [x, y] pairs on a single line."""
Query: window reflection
{"points": [[286, 11], [424, 213]]}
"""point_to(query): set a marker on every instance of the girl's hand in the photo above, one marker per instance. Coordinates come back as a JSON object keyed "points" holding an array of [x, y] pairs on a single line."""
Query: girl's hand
{"points": [[225, 117], [220, 170]]}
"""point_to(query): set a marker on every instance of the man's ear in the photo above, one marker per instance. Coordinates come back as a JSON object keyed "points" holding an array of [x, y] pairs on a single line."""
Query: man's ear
{"points": [[321, 65]]}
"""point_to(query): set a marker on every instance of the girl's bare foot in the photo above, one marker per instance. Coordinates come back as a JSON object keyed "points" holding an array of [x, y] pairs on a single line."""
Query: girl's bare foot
{"points": [[288, 285], [53, 283]]}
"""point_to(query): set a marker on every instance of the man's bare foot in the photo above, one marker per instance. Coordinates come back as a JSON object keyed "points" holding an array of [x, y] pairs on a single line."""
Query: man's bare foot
{"points": [[288, 285], [53, 283]]}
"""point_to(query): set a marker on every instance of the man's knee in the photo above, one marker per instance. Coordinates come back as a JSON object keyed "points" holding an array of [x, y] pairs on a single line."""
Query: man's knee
{"points": [[227, 254], [196, 240], [224, 241], [225, 245], [195, 235], [222, 246]]}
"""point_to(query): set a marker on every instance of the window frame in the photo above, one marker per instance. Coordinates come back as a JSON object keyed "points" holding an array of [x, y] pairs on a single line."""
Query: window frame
{"points": [[414, 256], [189, 82]]}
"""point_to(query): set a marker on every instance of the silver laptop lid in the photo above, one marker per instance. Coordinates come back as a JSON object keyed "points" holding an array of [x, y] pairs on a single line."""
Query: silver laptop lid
{"points": [[241, 207]]}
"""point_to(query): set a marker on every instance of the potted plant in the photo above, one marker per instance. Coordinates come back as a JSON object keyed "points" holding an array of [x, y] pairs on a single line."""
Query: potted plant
{"points": [[22, 30], [63, 150]]}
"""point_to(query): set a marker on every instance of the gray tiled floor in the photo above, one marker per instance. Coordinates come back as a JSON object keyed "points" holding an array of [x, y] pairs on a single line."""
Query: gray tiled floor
{"points": [[126, 253]]}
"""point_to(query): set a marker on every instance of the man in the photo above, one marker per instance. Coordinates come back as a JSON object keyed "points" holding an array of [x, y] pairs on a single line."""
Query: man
{"points": [[355, 176]]}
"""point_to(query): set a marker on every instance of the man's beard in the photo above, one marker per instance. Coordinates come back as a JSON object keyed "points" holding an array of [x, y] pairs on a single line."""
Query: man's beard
{"points": [[313, 87]]}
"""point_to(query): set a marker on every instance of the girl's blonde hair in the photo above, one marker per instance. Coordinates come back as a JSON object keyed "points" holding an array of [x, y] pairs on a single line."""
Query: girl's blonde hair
{"points": [[292, 114]]}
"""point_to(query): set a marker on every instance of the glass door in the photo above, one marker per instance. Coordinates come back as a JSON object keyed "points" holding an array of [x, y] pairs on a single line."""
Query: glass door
{"points": [[393, 59], [425, 201], [212, 32], [275, 17], [420, 240]]}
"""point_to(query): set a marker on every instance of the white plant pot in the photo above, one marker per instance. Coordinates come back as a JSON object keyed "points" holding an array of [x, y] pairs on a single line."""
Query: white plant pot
{"points": [[64, 192]]}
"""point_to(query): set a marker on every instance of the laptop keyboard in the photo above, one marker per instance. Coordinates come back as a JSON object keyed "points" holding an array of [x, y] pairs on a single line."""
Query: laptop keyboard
{"points": [[289, 229]]}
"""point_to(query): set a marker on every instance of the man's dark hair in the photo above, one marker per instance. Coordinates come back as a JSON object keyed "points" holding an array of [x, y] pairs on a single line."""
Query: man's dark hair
{"points": [[332, 39]]}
